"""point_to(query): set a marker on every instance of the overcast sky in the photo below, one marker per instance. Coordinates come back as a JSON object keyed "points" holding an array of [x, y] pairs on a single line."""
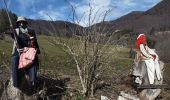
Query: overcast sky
{"points": [[61, 10]]}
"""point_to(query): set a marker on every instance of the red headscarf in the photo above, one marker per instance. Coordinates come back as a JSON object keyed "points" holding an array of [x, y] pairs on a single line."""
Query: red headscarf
{"points": [[140, 40]]}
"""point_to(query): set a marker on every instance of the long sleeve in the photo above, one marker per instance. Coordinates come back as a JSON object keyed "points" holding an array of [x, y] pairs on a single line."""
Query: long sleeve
{"points": [[152, 52], [144, 52]]}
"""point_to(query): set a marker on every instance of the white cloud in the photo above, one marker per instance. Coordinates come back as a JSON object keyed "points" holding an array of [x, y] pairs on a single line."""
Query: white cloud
{"points": [[129, 2], [49, 14], [99, 7], [27, 7], [46, 14], [117, 7], [100, 2], [25, 4], [30, 5]]}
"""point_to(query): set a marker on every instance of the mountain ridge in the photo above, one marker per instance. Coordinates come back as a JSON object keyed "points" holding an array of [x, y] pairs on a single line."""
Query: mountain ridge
{"points": [[156, 18], [54, 27]]}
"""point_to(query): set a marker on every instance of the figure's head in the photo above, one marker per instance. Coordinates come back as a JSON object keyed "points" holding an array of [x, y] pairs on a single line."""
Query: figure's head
{"points": [[21, 22], [141, 39]]}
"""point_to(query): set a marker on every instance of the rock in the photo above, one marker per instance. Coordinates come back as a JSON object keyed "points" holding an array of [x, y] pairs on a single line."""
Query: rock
{"points": [[126, 96], [149, 94], [104, 98], [121, 98]]}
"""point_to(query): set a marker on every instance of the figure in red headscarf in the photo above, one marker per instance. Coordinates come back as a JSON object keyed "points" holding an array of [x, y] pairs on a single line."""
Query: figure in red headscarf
{"points": [[151, 58]]}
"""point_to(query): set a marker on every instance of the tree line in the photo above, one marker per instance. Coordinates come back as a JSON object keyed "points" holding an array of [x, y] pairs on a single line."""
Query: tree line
{"points": [[4, 22]]}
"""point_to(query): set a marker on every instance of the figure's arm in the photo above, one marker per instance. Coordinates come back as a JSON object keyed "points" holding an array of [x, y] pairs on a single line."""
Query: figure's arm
{"points": [[144, 52], [152, 52]]}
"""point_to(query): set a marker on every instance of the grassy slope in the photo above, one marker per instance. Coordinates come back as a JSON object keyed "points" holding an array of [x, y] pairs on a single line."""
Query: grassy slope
{"points": [[55, 61], [5, 53], [53, 57]]}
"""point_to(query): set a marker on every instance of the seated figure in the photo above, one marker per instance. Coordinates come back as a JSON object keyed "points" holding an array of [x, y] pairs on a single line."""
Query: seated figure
{"points": [[146, 62]]}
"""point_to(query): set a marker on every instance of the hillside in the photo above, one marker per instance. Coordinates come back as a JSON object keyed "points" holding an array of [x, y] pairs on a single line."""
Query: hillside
{"points": [[42, 26], [55, 27], [61, 76], [156, 18], [160, 9]]}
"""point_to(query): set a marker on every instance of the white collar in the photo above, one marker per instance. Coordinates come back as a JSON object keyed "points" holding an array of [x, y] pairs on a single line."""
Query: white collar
{"points": [[24, 30], [140, 36]]}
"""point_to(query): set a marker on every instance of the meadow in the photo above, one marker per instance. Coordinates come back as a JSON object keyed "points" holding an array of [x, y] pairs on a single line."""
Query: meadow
{"points": [[55, 62]]}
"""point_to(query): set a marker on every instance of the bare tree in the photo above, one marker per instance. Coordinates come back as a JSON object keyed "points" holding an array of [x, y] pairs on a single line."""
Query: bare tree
{"points": [[89, 47]]}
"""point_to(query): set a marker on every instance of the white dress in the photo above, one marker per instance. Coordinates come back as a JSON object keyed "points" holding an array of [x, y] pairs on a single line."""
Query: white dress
{"points": [[152, 65]]}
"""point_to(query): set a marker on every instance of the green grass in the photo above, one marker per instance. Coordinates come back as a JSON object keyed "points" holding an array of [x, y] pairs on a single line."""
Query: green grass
{"points": [[54, 59], [5, 53]]}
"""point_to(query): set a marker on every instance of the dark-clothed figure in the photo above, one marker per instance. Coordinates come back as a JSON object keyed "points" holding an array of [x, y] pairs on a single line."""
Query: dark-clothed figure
{"points": [[25, 38]]}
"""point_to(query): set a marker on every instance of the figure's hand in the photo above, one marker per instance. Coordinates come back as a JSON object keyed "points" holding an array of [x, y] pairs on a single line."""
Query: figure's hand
{"points": [[154, 57]]}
